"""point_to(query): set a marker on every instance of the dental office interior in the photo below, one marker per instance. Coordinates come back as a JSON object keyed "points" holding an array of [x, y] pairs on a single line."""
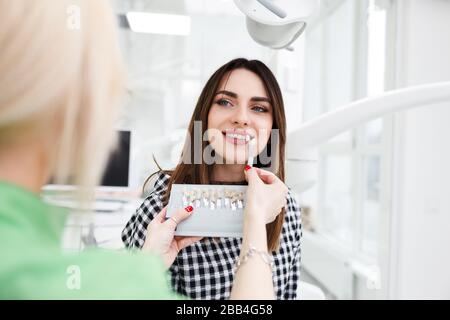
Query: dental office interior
{"points": [[366, 86]]}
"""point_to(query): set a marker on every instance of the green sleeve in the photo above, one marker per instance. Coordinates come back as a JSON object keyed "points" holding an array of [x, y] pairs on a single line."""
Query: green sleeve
{"points": [[96, 274]]}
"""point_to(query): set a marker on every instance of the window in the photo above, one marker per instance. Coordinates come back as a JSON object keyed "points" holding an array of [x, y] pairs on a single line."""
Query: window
{"points": [[345, 61]]}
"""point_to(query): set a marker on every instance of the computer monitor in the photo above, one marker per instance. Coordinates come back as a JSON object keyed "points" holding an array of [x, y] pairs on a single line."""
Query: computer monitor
{"points": [[117, 172]]}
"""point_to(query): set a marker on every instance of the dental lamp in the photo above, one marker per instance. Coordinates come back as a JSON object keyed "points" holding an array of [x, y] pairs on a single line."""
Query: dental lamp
{"points": [[277, 23], [301, 153]]}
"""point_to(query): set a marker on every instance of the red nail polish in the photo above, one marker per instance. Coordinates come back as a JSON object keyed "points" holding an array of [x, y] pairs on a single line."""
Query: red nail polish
{"points": [[247, 167], [189, 208]]}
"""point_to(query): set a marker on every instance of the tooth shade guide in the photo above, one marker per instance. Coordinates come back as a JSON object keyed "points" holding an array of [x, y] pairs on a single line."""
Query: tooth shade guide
{"points": [[215, 219], [214, 198]]}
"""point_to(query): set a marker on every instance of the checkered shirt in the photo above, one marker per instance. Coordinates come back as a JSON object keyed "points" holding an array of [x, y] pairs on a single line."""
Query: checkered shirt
{"points": [[204, 270]]}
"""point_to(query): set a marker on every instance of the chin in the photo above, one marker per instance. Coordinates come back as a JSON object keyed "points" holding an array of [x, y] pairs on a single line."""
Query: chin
{"points": [[235, 161], [231, 160]]}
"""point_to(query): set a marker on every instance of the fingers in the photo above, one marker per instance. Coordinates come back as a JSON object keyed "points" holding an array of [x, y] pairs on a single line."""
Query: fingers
{"points": [[179, 215], [251, 175], [268, 179], [262, 172], [187, 241], [247, 168], [266, 176], [271, 179]]}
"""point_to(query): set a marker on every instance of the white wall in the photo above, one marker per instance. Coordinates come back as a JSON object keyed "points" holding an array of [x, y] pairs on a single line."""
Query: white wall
{"points": [[420, 233]]}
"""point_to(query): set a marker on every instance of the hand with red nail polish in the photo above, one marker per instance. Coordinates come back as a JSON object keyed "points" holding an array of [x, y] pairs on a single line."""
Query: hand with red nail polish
{"points": [[266, 193], [161, 237]]}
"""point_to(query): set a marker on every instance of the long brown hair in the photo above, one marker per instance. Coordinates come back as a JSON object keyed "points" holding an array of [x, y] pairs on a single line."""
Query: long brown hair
{"points": [[200, 173]]}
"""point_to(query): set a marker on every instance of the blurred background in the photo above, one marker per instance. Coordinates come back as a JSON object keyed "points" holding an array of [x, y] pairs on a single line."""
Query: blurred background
{"points": [[376, 224]]}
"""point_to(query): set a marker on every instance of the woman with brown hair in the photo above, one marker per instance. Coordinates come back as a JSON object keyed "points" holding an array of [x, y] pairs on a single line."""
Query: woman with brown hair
{"points": [[241, 101]]}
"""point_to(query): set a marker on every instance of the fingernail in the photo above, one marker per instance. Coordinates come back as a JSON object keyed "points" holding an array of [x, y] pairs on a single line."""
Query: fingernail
{"points": [[189, 208], [247, 167]]}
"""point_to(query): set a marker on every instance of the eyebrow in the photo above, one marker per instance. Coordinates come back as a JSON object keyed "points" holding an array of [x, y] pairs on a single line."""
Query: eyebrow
{"points": [[235, 95]]}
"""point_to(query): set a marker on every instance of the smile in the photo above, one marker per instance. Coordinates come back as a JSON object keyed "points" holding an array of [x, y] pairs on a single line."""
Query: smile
{"points": [[235, 138]]}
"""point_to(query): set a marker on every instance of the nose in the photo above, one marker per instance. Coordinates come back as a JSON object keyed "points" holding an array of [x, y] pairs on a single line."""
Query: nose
{"points": [[241, 116]]}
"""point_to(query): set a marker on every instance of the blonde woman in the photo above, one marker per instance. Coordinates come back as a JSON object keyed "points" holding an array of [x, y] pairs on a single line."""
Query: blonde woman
{"points": [[60, 84]]}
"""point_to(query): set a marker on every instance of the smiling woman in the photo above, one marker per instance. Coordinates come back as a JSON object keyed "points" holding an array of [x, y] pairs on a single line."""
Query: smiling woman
{"points": [[241, 102]]}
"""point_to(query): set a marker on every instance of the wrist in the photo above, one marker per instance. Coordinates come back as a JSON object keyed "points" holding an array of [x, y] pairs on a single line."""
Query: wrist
{"points": [[254, 232], [256, 214], [255, 218]]}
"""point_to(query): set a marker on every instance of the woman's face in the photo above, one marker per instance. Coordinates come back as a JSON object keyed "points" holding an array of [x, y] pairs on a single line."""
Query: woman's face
{"points": [[241, 111]]}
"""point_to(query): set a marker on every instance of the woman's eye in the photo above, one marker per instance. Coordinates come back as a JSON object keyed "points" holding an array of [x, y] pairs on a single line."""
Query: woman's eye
{"points": [[224, 103], [259, 109]]}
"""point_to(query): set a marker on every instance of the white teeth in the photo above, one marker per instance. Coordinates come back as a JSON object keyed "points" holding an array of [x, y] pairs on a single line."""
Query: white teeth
{"points": [[238, 136]]}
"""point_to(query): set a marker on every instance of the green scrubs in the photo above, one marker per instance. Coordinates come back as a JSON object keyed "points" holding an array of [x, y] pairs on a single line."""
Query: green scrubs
{"points": [[33, 266]]}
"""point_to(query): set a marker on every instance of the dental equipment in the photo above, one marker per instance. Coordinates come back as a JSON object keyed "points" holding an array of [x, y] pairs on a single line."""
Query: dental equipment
{"points": [[277, 24]]}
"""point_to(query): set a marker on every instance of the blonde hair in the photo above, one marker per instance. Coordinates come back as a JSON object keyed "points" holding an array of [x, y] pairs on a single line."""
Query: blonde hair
{"points": [[55, 73]]}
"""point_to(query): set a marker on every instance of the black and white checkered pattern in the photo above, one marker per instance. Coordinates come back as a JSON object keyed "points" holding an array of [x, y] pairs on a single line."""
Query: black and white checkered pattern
{"points": [[204, 270]]}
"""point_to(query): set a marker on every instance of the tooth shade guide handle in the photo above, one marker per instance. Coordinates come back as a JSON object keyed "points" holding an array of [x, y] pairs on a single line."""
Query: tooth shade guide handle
{"points": [[251, 151]]}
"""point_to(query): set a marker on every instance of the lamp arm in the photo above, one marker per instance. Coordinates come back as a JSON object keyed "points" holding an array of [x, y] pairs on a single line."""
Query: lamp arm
{"points": [[272, 7], [347, 117]]}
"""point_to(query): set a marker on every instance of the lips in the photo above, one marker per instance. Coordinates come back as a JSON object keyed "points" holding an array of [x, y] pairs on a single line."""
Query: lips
{"points": [[237, 137]]}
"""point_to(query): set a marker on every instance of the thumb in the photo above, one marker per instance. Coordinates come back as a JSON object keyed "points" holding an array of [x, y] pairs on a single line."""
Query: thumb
{"points": [[266, 176], [179, 216], [184, 242], [161, 217], [251, 175]]}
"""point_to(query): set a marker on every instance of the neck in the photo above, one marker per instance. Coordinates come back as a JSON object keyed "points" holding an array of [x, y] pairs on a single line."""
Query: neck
{"points": [[228, 172], [24, 164]]}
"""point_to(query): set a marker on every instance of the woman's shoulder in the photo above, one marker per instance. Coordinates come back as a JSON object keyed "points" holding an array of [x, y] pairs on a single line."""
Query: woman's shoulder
{"points": [[161, 181], [153, 196], [292, 202], [293, 210]]}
